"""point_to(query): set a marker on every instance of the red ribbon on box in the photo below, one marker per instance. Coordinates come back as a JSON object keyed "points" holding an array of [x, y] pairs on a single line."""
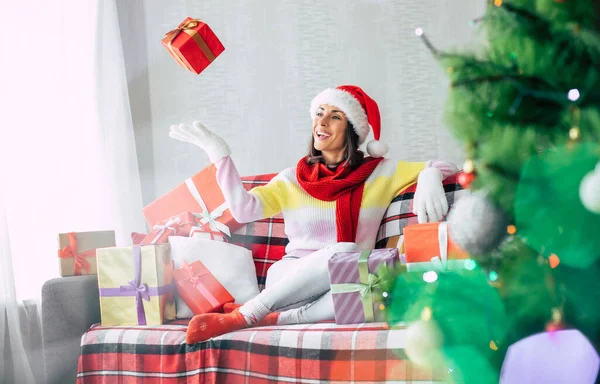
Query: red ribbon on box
{"points": [[79, 259]]}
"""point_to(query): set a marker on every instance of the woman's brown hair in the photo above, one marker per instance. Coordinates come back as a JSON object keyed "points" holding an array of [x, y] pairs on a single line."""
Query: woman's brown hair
{"points": [[353, 157]]}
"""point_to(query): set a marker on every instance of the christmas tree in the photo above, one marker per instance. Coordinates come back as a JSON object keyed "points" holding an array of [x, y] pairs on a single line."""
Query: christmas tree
{"points": [[526, 105]]}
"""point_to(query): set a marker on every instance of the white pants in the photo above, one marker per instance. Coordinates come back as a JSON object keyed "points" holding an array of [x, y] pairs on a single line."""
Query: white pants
{"points": [[302, 285]]}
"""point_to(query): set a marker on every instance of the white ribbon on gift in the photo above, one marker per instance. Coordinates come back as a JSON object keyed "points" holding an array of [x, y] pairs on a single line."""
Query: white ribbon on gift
{"points": [[163, 227], [207, 217], [438, 263]]}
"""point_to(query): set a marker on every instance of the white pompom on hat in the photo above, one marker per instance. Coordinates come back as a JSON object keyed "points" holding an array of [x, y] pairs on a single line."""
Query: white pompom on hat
{"points": [[360, 109]]}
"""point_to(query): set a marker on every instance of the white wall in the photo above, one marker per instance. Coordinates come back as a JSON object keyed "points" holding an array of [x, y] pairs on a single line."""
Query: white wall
{"points": [[279, 54]]}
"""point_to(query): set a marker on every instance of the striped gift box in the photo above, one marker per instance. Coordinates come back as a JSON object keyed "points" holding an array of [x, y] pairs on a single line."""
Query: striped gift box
{"points": [[353, 276]]}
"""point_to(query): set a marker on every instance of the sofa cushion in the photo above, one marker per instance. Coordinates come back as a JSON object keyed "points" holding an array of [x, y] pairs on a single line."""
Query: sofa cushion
{"points": [[265, 238], [311, 353]]}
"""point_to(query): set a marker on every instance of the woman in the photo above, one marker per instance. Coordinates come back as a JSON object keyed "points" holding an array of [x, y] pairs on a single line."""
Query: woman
{"points": [[332, 201]]}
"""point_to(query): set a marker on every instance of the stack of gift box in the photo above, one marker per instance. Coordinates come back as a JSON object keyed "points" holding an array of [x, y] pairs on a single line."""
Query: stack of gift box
{"points": [[139, 284]]}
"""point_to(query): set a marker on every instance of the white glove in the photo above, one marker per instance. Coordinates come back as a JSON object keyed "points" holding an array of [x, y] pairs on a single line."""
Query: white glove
{"points": [[430, 198], [215, 147]]}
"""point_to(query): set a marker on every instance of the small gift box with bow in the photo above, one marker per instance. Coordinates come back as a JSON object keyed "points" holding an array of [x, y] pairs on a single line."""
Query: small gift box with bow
{"points": [[136, 285], [202, 196], [428, 247], [353, 277], [178, 225], [77, 251], [193, 45], [203, 231], [199, 289]]}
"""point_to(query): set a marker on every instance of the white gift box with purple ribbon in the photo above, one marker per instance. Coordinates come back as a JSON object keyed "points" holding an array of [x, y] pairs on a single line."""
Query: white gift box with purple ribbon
{"points": [[136, 285]]}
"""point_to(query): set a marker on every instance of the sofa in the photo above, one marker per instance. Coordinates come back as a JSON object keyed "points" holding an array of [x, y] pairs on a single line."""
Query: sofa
{"points": [[77, 348]]}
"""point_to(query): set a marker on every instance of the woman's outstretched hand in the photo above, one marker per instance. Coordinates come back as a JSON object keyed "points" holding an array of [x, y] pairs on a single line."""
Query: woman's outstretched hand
{"points": [[215, 147], [430, 198]]}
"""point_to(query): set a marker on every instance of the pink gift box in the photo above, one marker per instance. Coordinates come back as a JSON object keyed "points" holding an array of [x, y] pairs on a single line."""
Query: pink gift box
{"points": [[352, 275]]}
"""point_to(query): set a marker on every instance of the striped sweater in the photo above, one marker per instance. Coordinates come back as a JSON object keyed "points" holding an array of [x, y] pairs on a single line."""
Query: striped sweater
{"points": [[310, 223]]}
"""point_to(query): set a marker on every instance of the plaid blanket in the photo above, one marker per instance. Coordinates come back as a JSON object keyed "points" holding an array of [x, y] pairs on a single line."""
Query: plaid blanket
{"points": [[316, 353]]}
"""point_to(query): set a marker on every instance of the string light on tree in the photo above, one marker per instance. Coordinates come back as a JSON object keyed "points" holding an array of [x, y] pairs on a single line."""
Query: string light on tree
{"points": [[556, 324], [574, 133], [589, 190], [573, 95], [430, 276]]}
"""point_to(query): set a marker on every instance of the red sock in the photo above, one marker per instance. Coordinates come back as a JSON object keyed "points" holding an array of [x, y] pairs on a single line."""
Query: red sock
{"points": [[209, 325], [230, 307], [270, 319]]}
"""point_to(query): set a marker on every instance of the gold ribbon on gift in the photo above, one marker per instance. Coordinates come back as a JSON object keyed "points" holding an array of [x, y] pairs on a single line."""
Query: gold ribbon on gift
{"points": [[188, 28], [368, 281]]}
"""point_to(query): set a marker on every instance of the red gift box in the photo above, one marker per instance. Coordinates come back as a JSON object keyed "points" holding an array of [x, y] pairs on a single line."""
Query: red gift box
{"points": [[429, 247], [199, 289], [201, 195], [193, 45]]}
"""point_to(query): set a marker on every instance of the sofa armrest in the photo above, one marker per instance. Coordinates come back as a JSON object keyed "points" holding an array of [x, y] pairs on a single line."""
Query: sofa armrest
{"points": [[70, 305]]}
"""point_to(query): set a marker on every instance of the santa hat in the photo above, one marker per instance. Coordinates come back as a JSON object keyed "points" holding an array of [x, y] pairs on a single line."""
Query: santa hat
{"points": [[361, 111]]}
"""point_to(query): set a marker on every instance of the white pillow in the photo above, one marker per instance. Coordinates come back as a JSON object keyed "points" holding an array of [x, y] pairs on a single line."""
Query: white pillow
{"points": [[230, 264]]}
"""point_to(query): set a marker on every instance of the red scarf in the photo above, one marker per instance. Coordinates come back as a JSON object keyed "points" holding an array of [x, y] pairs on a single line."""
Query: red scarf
{"points": [[344, 185]]}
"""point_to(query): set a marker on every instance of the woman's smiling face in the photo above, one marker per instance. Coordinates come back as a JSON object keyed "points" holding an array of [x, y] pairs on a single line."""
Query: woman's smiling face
{"points": [[329, 131]]}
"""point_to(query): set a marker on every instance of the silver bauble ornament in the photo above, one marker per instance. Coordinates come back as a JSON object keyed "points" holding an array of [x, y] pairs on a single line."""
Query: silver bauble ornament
{"points": [[476, 224]]}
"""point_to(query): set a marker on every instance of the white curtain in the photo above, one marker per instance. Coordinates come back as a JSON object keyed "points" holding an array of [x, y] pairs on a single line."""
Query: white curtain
{"points": [[67, 154]]}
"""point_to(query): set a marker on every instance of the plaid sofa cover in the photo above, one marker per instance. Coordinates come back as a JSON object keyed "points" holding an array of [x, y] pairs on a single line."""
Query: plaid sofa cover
{"points": [[314, 353]]}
